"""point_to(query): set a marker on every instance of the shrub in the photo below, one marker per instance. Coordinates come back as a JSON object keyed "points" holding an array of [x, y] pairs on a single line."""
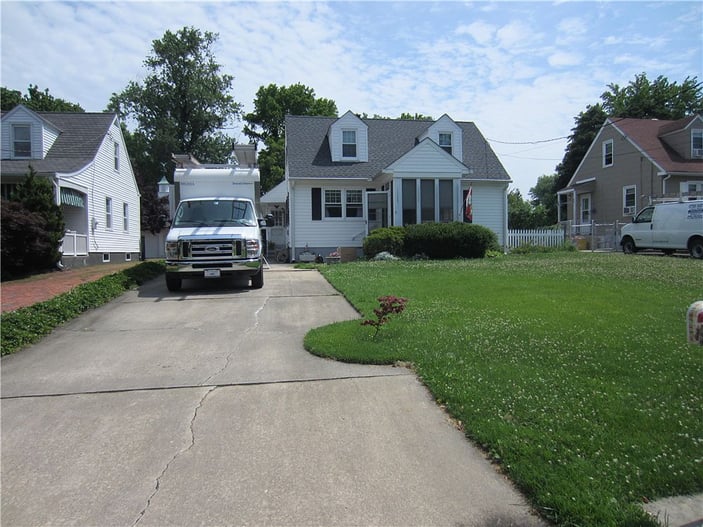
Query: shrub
{"points": [[32, 227], [385, 239], [450, 240]]}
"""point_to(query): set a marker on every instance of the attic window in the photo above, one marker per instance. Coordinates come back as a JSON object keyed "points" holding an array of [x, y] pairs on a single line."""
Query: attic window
{"points": [[445, 142], [696, 143], [349, 143], [22, 140], [608, 153]]}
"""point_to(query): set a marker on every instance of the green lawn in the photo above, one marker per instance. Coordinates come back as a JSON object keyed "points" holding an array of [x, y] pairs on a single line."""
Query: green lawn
{"points": [[572, 370]]}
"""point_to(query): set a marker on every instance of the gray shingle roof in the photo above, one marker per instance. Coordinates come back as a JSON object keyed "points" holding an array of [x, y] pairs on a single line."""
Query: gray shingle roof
{"points": [[81, 135], [308, 152]]}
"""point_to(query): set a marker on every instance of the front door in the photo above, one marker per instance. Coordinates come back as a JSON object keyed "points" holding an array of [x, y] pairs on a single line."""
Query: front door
{"points": [[376, 210]]}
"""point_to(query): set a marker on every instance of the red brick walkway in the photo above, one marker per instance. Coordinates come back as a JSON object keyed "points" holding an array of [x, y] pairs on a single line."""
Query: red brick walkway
{"points": [[21, 293]]}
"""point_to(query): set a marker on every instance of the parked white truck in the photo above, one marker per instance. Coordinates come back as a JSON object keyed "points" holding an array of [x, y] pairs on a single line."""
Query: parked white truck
{"points": [[216, 230], [667, 227]]}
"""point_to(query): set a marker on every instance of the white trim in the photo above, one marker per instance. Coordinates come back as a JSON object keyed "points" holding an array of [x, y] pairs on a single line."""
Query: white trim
{"points": [[604, 145]]}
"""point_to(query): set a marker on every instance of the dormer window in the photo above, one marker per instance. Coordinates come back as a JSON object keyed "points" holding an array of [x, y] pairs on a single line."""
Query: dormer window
{"points": [[349, 143], [697, 143], [22, 140], [445, 142]]}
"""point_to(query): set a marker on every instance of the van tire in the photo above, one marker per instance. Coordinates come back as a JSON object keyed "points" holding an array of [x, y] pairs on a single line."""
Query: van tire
{"points": [[257, 280], [628, 245], [695, 247], [173, 283]]}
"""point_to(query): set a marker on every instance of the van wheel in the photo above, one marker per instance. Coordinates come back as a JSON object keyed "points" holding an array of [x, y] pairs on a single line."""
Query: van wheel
{"points": [[173, 283], [695, 246], [628, 245], [257, 280]]}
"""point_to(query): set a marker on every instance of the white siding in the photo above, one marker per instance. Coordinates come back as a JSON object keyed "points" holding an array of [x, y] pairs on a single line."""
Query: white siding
{"points": [[489, 205], [427, 158], [102, 180], [21, 115], [349, 121], [327, 232]]}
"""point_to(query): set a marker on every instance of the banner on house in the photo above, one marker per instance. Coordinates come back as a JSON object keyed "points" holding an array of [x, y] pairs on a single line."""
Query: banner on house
{"points": [[468, 207]]}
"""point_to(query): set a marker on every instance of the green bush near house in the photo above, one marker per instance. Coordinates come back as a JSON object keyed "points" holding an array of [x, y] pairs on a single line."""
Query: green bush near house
{"points": [[28, 324], [385, 239], [442, 241]]}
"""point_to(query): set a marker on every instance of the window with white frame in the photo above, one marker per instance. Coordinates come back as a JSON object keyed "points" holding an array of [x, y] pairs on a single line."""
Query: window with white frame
{"points": [[333, 203], [608, 153], [586, 209], [117, 156], [446, 200], [355, 205], [435, 203], [629, 200], [108, 213], [349, 143], [445, 141], [22, 140], [125, 217], [696, 143]]}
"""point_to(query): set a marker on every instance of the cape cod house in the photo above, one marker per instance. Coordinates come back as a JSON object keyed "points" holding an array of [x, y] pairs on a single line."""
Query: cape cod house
{"points": [[346, 176], [633, 163], [85, 158]]}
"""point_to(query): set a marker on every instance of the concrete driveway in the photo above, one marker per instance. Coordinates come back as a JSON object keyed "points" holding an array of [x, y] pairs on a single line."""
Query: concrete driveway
{"points": [[203, 408]]}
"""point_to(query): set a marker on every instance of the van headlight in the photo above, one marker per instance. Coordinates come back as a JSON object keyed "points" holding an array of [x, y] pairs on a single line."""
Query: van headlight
{"points": [[172, 250], [253, 248]]}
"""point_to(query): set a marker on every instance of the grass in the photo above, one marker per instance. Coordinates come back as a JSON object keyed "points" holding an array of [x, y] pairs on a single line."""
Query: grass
{"points": [[572, 370], [27, 325]]}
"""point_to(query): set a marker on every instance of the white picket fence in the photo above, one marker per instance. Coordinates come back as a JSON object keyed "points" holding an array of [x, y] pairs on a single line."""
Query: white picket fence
{"points": [[540, 237]]}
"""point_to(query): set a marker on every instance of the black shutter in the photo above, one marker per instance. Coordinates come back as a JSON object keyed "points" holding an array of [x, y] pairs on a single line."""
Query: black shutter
{"points": [[316, 203]]}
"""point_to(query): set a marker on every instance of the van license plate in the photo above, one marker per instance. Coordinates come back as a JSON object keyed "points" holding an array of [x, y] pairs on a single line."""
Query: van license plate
{"points": [[212, 273]]}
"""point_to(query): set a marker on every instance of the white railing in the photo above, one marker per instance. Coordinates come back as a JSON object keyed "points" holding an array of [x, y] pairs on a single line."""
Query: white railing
{"points": [[540, 237], [74, 244]]}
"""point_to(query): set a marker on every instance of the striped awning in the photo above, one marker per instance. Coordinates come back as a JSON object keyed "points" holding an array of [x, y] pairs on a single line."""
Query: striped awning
{"points": [[72, 197]]}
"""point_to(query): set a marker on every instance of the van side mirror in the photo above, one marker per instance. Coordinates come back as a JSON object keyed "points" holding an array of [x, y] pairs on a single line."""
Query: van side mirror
{"points": [[266, 221]]}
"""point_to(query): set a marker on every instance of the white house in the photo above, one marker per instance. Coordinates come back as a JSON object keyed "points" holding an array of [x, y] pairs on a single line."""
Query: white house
{"points": [[346, 176], [85, 157]]}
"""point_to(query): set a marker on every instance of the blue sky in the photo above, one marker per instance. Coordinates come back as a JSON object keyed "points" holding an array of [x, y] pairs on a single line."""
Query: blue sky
{"points": [[522, 71]]}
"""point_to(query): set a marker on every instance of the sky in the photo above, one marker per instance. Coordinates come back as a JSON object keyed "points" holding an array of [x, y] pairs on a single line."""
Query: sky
{"points": [[521, 71]]}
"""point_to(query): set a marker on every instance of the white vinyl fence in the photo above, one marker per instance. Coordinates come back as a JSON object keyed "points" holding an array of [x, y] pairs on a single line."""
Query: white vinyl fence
{"points": [[540, 237]]}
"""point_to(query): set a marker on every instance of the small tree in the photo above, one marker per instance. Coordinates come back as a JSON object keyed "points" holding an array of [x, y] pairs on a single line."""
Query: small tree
{"points": [[32, 228]]}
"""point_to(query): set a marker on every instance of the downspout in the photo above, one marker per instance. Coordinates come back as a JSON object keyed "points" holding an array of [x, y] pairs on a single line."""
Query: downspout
{"points": [[665, 177], [505, 219]]}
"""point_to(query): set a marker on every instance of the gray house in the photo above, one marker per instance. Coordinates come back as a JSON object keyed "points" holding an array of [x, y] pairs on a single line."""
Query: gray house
{"points": [[85, 158], [633, 163], [346, 176]]}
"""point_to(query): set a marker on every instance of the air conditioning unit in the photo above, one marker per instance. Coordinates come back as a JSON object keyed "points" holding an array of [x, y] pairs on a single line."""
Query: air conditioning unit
{"points": [[698, 152], [628, 211]]}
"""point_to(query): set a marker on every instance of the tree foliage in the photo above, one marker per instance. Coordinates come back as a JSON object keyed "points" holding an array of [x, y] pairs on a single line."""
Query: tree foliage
{"points": [[37, 100], [32, 227], [640, 99], [523, 214], [267, 124], [181, 106]]}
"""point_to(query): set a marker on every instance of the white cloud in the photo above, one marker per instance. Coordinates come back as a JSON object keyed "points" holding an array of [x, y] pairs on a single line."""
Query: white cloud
{"points": [[481, 32], [561, 59]]}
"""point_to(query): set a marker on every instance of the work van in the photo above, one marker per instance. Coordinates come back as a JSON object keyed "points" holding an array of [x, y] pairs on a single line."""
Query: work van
{"points": [[669, 227]]}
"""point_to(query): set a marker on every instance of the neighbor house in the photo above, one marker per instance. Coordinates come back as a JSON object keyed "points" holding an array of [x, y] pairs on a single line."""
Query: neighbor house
{"points": [[633, 163], [347, 176], [85, 158]]}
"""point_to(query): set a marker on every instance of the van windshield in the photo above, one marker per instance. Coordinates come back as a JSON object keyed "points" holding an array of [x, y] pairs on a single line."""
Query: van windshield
{"points": [[210, 213]]}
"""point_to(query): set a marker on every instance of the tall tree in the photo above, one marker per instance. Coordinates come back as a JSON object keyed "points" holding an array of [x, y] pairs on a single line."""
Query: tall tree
{"points": [[267, 124], [544, 199], [37, 100], [181, 106]]}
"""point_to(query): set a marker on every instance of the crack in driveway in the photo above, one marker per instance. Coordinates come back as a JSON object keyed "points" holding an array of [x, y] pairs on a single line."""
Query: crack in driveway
{"points": [[157, 486]]}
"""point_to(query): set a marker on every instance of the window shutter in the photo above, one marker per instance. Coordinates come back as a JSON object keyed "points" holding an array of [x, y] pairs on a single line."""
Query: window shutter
{"points": [[316, 203]]}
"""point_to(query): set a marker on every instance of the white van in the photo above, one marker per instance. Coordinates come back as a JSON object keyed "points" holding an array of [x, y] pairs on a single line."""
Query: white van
{"points": [[668, 227]]}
